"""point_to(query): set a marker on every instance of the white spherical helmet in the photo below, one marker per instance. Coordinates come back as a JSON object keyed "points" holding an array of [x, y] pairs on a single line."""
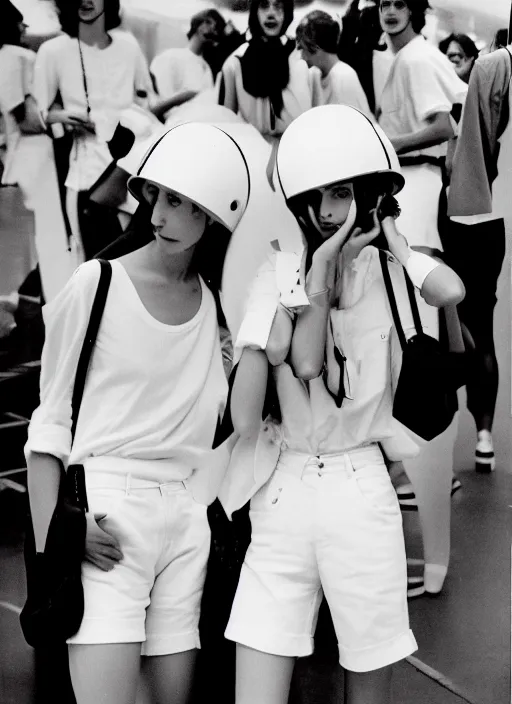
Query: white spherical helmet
{"points": [[202, 163], [334, 143]]}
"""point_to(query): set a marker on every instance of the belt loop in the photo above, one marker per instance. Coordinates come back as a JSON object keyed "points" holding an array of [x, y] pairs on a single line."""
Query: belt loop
{"points": [[128, 484]]}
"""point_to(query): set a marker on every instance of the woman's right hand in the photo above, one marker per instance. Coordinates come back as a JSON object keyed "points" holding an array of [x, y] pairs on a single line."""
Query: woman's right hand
{"points": [[101, 548]]}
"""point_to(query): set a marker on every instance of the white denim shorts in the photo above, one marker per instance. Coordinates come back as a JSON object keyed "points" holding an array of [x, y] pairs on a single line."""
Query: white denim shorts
{"points": [[326, 525], [153, 595]]}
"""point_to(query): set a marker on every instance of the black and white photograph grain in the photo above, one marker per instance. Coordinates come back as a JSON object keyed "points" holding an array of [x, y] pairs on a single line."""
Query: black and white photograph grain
{"points": [[255, 351]]}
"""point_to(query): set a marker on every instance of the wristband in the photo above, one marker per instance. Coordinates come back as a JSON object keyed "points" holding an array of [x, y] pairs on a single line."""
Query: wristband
{"points": [[419, 266]]}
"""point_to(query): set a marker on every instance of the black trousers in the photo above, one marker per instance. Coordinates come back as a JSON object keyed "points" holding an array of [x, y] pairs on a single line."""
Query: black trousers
{"points": [[476, 253]]}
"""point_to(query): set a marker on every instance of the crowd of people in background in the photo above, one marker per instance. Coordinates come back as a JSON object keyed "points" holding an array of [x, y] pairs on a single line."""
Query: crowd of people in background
{"points": [[79, 115]]}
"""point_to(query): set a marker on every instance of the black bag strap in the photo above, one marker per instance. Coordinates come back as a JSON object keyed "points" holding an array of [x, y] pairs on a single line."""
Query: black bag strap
{"points": [[84, 78], [91, 334], [393, 304]]}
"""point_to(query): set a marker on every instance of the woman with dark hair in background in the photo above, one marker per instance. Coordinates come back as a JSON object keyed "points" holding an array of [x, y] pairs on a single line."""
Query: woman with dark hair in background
{"points": [[261, 80], [95, 75], [462, 52]]}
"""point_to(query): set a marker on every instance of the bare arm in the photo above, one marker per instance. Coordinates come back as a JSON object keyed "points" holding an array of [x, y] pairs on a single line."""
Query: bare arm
{"points": [[227, 89], [442, 286], [249, 391], [43, 490], [438, 130], [160, 107]]}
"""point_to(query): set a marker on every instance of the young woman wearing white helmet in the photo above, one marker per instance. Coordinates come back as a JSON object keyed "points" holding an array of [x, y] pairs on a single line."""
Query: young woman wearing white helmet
{"points": [[325, 517], [155, 390]]}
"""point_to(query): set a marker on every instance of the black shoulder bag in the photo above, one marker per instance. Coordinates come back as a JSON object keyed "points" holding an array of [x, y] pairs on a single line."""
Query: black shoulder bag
{"points": [[425, 398], [54, 607]]}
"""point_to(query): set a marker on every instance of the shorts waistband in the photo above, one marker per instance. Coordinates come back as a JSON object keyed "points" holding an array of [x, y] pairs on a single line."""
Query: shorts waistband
{"points": [[300, 463], [138, 473]]}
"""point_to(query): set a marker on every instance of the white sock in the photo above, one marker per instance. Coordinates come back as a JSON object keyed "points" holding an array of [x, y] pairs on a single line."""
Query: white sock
{"points": [[434, 577]]}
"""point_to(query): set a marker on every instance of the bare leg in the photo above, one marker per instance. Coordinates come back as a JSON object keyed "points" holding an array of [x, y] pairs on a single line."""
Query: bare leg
{"points": [[168, 678], [105, 674], [262, 678], [368, 687]]}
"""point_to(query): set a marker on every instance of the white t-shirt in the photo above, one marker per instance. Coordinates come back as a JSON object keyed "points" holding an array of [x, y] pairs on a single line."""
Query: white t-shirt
{"points": [[153, 391], [258, 111], [114, 75], [178, 70], [421, 83], [340, 86]]}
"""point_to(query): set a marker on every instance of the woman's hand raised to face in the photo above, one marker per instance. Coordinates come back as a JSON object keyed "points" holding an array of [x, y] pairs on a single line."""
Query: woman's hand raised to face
{"points": [[329, 250], [359, 239]]}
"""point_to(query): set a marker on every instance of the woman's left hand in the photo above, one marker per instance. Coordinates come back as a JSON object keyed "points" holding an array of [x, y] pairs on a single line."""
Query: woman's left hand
{"points": [[359, 239]]}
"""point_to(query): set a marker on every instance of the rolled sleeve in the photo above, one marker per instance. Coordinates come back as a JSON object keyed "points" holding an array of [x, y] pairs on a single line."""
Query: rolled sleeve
{"points": [[260, 309], [66, 319]]}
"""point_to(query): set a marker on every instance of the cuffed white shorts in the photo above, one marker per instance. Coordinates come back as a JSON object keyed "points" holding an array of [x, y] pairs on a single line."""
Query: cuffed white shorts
{"points": [[419, 205], [328, 524], [153, 594]]}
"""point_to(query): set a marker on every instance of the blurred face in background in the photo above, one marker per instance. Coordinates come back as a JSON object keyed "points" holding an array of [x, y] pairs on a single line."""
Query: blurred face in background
{"points": [[90, 10], [271, 17], [395, 16], [462, 64], [209, 31]]}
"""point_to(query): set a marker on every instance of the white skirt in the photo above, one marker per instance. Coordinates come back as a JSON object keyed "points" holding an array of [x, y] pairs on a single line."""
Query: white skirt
{"points": [[419, 203]]}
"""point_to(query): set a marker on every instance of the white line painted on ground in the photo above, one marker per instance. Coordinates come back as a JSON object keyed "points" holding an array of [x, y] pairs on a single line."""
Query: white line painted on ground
{"points": [[12, 471], [441, 679], [10, 607]]}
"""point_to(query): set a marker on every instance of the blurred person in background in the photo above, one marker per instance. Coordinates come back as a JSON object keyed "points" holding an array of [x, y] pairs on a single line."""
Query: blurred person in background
{"points": [[334, 82], [179, 75], [29, 162], [462, 51], [361, 47], [216, 54], [478, 202], [95, 75], [261, 80], [415, 107]]}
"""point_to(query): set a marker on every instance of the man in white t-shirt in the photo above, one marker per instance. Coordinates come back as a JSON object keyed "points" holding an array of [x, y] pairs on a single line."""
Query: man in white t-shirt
{"points": [[333, 81], [415, 107], [179, 75]]}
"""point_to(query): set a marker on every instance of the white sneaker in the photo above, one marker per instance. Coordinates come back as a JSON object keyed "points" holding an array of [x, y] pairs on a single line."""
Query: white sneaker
{"points": [[485, 462]]}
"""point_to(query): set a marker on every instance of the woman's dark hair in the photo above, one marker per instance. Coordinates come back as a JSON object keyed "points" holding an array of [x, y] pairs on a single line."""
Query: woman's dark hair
{"points": [[198, 19], [467, 45], [68, 15], [367, 190], [321, 30], [418, 9], [209, 255], [500, 39], [11, 19], [265, 63]]}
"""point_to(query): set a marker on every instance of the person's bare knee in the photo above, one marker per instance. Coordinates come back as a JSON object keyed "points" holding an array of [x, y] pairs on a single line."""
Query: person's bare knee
{"points": [[105, 674], [368, 687], [262, 678], [168, 678]]}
